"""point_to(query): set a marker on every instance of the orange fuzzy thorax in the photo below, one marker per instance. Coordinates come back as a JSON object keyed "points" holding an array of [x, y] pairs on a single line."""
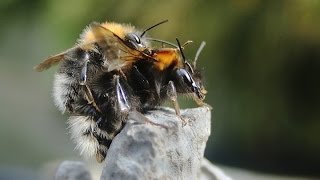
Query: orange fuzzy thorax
{"points": [[167, 57]]}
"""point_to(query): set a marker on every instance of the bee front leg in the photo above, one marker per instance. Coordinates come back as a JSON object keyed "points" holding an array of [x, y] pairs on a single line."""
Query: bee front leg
{"points": [[172, 94], [201, 103]]}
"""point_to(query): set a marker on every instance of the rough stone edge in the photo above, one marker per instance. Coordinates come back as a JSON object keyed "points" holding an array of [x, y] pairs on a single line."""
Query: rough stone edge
{"points": [[208, 170]]}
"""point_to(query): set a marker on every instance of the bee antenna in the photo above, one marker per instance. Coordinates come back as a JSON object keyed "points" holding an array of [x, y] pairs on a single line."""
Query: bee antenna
{"points": [[183, 57], [186, 43], [180, 49], [153, 27], [203, 43], [163, 41]]}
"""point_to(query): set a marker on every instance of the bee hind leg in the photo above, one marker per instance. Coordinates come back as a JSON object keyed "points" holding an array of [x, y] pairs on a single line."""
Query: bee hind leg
{"points": [[83, 82], [89, 98], [172, 94], [141, 118], [83, 73]]}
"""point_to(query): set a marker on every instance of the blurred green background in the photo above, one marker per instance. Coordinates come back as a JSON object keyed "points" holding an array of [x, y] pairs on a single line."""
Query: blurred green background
{"points": [[261, 65]]}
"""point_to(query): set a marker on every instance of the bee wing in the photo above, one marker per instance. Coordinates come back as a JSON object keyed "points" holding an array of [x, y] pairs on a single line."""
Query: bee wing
{"points": [[106, 37], [52, 60], [112, 43]]}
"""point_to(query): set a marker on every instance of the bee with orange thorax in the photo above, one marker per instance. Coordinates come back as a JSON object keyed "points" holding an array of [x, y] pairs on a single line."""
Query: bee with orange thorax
{"points": [[113, 72]]}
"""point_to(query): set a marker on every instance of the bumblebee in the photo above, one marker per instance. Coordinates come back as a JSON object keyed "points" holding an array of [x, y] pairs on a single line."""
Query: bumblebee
{"points": [[113, 72]]}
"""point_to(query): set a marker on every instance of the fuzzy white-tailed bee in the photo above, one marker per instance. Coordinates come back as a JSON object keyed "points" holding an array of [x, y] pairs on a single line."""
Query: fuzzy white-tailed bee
{"points": [[112, 72]]}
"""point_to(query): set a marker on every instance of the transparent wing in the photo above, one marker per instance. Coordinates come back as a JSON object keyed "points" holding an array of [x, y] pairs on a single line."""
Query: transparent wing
{"points": [[53, 60], [117, 53]]}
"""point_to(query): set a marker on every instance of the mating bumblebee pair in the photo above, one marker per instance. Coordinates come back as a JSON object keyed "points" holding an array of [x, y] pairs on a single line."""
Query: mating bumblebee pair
{"points": [[114, 72]]}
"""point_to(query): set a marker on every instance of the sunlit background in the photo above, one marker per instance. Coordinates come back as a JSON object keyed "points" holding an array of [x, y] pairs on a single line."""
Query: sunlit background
{"points": [[261, 65]]}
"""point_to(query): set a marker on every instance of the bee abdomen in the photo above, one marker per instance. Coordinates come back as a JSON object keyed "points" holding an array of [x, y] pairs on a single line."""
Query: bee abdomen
{"points": [[89, 138], [65, 91]]}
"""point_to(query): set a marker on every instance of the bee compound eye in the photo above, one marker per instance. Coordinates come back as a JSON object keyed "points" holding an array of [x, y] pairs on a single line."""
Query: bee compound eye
{"points": [[136, 38], [185, 79], [133, 41]]}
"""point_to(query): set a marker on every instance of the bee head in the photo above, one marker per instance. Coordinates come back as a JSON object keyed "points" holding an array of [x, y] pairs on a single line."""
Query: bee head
{"points": [[187, 83], [133, 41], [188, 77]]}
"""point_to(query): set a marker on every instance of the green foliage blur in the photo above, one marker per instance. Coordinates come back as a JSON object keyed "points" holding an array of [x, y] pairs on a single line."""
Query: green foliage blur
{"points": [[261, 66]]}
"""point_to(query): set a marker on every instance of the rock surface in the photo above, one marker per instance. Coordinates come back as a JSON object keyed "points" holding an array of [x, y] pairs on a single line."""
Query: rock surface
{"points": [[72, 170], [147, 151]]}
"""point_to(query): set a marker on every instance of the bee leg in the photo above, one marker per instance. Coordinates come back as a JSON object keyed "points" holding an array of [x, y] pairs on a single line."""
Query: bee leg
{"points": [[123, 105], [201, 103], [122, 74], [83, 73], [89, 98], [141, 118], [112, 117], [107, 123], [83, 82], [172, 94], [122, 98]]}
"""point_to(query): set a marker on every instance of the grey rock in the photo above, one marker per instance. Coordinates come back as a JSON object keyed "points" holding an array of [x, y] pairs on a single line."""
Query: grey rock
{"points": [[72, 170], [148, 151]]}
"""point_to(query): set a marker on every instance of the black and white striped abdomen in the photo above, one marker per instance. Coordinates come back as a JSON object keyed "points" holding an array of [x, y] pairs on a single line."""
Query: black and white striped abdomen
{"points": [[89, 129], [65, 91]]}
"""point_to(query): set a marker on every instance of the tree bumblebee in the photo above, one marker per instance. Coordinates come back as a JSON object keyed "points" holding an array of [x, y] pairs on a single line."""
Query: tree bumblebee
{"points": [[113, 72]]}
